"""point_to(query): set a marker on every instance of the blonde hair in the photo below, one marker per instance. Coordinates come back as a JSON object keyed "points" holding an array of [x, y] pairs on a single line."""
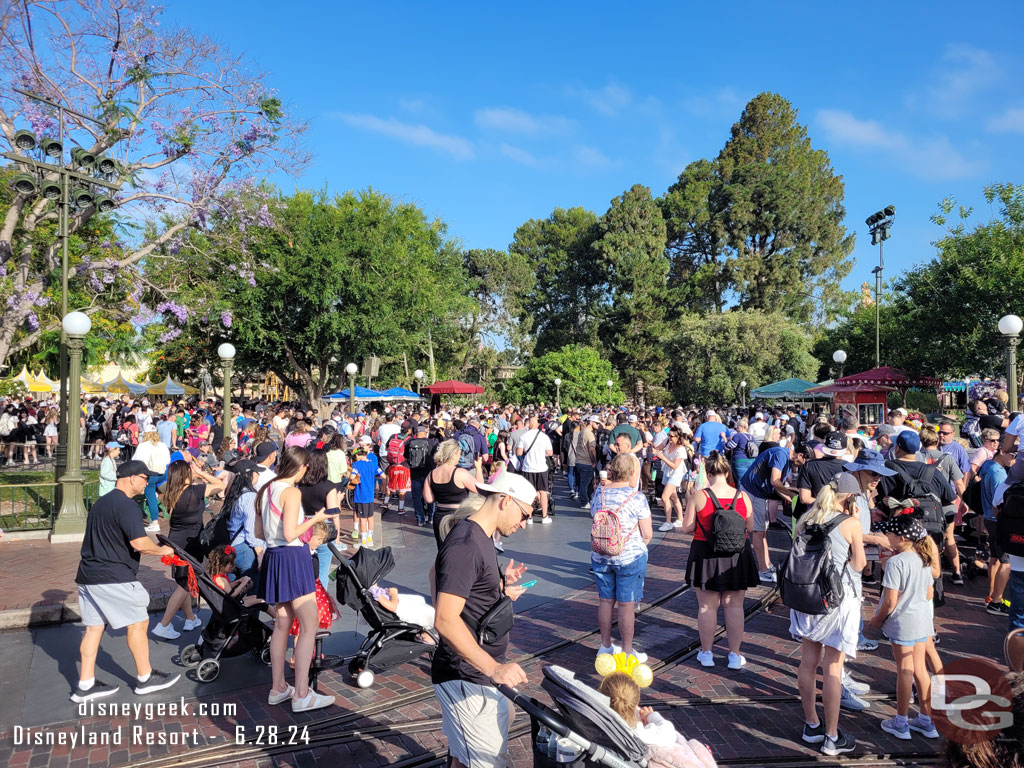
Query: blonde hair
{"points": [[741, 425], [823, 508], [469, 506], [154, 436], [447, 452], [623, 695], [622, 467], [716, 464], [929, 437], [319, 528]]}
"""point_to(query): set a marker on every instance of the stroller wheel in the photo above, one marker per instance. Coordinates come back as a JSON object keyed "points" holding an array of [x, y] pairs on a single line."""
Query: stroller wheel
{"points": [[208, 670], [190, 656], [265, 655], [364, 679]]}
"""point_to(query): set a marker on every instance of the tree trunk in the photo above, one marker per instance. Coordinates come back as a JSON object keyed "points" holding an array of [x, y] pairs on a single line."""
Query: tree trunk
{"points": [[430, 352]]}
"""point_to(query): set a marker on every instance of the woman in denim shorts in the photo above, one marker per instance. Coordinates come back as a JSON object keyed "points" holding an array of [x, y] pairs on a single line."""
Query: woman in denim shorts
{"points": [[620, 578]]}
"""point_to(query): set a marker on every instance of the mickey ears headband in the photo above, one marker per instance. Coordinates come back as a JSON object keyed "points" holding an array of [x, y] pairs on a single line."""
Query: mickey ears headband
{"points": [[607, 664]]}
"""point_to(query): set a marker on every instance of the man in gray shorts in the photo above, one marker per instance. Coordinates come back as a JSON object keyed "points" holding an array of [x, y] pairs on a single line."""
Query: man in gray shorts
{"points": [[108, 589]]}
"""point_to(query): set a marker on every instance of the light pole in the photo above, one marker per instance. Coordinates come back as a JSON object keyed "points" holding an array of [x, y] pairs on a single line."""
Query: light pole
{"points": [[558, 393], [878, 225], [743, 393], [1010, 326], [226, 352], [351, 369], [839, 357], [70, 523], [418, 375], [53, 180], [609, 383]]}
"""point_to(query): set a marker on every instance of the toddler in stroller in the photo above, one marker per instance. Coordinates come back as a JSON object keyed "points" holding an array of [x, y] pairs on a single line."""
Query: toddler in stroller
{"points": [[391, 640], [234, 628]]}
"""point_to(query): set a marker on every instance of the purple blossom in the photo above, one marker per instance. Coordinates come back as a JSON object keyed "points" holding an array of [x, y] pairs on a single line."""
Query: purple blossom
{"points": [[171, 333], [252, 281], [226, 318], [32, 321], [3, 271], [263, 217], [179, 311]]}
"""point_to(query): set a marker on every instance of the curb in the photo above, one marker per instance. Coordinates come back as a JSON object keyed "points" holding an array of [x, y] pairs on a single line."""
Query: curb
{"points": [[62, 613]]}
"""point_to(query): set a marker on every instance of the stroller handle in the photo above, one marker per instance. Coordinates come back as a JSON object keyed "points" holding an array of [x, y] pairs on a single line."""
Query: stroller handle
{"points": [[335, 551], [538, 711]]}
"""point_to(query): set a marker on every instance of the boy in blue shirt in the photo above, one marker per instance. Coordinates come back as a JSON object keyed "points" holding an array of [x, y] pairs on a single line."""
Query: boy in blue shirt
{"points": [[993, 474], [365, 471]]}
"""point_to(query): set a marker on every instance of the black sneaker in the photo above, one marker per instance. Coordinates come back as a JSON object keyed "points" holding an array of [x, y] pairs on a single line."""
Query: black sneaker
{"points": [[845, 743], [98, 691], [957, 579], [157, 682], [997, 609], [869, 579], [814, 734]]}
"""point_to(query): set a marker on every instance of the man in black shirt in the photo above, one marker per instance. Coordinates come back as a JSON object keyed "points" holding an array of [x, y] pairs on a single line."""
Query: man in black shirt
{"points": [[817, 473], [907, 466], [419, 455], [475, 716], [108, 589]]}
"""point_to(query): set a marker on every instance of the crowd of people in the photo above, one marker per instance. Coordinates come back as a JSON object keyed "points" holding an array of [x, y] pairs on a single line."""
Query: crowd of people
{"points": [[895, 502]]}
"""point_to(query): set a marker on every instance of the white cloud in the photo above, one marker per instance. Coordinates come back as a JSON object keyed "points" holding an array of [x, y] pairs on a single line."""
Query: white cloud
{"points": [[417, 135], [724, 101], [588, 157], [511, 120], [1011, 121], [520, 155], [610, 100], [933, 158], [416, 107], [965, 71]]}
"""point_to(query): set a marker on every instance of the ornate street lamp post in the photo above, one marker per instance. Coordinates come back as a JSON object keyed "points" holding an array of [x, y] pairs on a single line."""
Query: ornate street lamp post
{"points": [[351, 369], [226, 352], [1010, 326], [70, 523], [839, 357], [558, 393], [418, 375], [743, 393], [609, 383]]}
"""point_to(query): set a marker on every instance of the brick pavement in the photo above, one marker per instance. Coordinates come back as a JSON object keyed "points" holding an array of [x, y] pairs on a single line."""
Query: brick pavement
{"points": [[738, 730]]}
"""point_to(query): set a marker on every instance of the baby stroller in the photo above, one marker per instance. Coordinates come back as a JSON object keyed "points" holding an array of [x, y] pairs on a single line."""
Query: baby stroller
{"points": [[390, 641], [233, 629], [587, 731]]}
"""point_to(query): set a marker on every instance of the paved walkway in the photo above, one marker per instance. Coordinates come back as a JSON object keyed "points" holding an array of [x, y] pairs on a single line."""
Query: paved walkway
{"points": [[35, 668]]}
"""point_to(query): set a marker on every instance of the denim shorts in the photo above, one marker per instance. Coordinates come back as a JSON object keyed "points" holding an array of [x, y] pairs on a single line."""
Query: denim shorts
{"points": [[622, 583], [909, 643]]}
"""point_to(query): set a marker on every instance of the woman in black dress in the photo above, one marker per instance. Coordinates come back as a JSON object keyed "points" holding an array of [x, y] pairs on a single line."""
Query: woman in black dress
{"points": [[185, 495], [319, 494]]}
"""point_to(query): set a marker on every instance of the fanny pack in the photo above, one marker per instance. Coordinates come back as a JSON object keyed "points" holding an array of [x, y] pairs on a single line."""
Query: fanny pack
{"points": [[494, 624]]}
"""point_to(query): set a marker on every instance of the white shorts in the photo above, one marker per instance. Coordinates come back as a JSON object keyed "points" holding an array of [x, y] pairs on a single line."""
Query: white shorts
{"points": [[116, 605], [475, 720], [414, 610]]}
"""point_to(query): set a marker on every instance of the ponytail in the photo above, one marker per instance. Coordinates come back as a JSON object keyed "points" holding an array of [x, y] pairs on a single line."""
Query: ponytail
{"points": [[716, 464], [924, 551], [824, 507]]}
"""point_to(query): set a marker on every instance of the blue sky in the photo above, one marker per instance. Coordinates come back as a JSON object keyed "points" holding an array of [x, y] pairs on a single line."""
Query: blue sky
{"points": [[489, 115]]}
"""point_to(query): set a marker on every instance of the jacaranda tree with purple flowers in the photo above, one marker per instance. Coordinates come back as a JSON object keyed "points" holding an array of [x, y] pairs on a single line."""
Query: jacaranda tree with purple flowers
{"points": [[191, 127]]}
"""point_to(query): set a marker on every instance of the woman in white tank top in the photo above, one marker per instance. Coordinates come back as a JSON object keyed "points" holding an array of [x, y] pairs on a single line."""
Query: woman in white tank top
{"points": [[287, 579]]}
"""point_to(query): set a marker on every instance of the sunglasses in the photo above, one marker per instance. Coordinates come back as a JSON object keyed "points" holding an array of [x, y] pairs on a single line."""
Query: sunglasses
{"points": [[943, 432], [526, 512]]}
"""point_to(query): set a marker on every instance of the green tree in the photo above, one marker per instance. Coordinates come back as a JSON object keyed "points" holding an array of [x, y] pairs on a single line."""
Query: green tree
{"points": [[941, 317], [568, 293], [498, 283], [761, 225], [584, 374], [631, 243], [711, 354]]}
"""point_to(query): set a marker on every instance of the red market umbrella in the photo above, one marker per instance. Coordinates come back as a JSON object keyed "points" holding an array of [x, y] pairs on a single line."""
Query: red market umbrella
{"points": [[452, 387]]}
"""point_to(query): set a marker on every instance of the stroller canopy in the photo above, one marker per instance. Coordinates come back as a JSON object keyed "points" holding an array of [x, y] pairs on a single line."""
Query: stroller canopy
{"points": [[367, 567]]}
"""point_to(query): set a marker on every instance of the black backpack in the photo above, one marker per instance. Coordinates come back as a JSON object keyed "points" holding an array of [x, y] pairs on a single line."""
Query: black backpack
{"points": [[728, 533], [927, 507], [972, 496], [809, 580], [1010, 521], [417, 453]]}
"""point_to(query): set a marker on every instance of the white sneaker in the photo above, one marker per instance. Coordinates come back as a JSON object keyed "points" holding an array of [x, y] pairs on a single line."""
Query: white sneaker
{"points": [[736, 661], [855, 687], [280, 698], [677, 524], [767, 577], [706, 659], [666, 527], [196, 623], [587, 505], [640, 656], [613, 650], [153, 527], [311, 702], [545, 521], [529, 521], [167, 633]]}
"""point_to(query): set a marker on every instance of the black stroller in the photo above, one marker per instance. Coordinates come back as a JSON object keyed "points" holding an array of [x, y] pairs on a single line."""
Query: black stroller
{"points": [[585, 733], [233, 629], [390, 641]]}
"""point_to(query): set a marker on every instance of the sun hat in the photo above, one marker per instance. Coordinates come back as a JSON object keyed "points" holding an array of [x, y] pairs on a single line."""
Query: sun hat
{"points": [[869, 461]]}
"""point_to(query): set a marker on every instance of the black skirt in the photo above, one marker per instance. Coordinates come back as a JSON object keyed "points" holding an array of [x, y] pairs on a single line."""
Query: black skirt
{"points": [[187, 539], [731, 573]]}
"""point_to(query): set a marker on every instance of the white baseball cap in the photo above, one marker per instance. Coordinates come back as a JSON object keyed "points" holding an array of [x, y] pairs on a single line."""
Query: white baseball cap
{"points": [[365, 440], [516, 486], [758, 415], [632, 417], [710, 414]]}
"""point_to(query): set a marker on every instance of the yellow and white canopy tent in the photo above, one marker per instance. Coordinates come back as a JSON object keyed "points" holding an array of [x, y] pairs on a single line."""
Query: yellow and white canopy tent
{"points": [[91, 387], [121, 386], [30, 382], [43, 378], [171, 387]]}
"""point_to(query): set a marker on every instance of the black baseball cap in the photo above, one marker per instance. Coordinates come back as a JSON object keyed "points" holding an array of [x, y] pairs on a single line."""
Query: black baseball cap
{"points": [[246, 465], [265, 449], [834, 444], [132, 468]]}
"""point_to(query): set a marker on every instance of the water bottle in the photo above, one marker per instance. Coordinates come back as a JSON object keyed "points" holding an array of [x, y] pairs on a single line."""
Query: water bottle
{"points": [[552, 745], [543, 735]]}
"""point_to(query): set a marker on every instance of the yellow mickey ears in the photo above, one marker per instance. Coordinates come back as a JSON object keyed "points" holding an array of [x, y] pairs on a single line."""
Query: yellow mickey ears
{"points": [[606, 664]]}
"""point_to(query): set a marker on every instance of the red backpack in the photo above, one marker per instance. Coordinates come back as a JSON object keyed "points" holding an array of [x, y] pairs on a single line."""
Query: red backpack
{"points": [[396, 450]]}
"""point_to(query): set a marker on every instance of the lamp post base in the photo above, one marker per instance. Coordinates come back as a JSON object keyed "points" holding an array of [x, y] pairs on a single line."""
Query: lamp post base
{"points": [[70, 523]]}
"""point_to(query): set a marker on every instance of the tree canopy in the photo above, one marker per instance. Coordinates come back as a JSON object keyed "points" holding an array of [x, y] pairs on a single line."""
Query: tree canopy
{"points": [[584, 373]]}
